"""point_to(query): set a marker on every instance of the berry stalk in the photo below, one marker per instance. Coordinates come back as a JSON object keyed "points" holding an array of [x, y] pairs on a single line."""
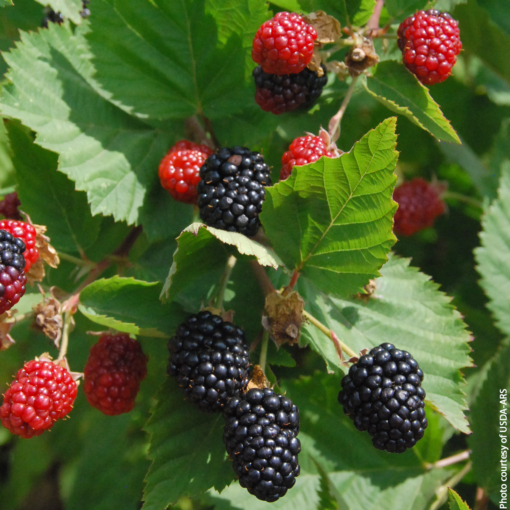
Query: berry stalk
{"points": [[334, 123], [339, 345], [64, 341], [263, 350], [225, 278]]}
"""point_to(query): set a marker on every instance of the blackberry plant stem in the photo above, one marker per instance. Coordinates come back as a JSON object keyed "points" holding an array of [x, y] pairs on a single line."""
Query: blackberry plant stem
{"points": [[225, 278], [338, 343], [482, 499], [462, 198], [442, 492], [448, 461], [64, 341], [334, 123], [76, 260], [263, 350]]}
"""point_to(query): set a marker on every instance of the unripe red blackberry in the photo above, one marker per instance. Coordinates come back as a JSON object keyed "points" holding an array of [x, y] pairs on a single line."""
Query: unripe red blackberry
{"points": [[260, 435], [285, 93], [303, 151], [12, 275], [115, 368], [209, 358], [9, 206], [382, 394], [430, 43], [28, 235], [41, 394], [232, 190], [284, 44], [419, 204]]}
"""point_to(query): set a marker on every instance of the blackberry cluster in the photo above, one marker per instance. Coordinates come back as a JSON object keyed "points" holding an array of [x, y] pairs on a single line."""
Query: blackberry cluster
{"points": [[209, 358], [12, 270], [260, 436], [231, 190], [382, 394], [284, 93]]}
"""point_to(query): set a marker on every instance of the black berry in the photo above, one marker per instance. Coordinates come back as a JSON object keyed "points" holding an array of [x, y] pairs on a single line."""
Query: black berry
{"points": [[382, 394], [260, 435], [232, 189], [287, 92], [209, 358], [12, 274]]}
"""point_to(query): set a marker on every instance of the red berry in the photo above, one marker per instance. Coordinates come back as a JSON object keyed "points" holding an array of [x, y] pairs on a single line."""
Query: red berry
{"points": [[302, 151], [113, 373], [27, 234], [430, 43], [179, 170], [9, 206], [419, 204], [284, 44], [41, 394]]}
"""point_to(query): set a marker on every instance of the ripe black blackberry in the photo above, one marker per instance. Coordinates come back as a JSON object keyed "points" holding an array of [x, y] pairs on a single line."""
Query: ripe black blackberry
{"points": [[12, 270], [382, 394], [287, 92], [231, 190], [260, 435], [209, 358]]}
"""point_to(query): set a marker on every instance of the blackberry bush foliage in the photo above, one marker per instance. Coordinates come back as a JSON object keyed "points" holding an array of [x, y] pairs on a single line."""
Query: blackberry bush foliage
{"points": [[219, 181]]}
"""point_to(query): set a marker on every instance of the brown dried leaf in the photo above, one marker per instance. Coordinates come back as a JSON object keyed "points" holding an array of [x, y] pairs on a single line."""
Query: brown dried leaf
{"points": [[328, 28], [370, 289], [6, 340], [258, 379], [286, 316], [47, 254], [315, 63], [339, 68]]}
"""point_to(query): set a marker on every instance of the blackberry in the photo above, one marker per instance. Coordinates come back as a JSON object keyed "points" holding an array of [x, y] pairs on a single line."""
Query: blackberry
{"points": [[382, 394], [209, 358], [231, 190], [260, 436], [9, 206], [284, 93], [52, 17], [12, 270]]}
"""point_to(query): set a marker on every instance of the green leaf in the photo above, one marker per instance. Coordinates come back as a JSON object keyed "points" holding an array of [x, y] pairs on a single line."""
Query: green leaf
{"points": [[455, 501], [332, 220], [489, 417], [171, 60], [409, 311], [4, 3], [366, 479], [401, 9], [289, 5], [399, 90], [499, 13], [130, 306], [326, 493], [481, 36], [68, 8], [109, 154], [65, 212], [207, 249], [493, 254], [447, 5], [186, 448], [357, 12]]}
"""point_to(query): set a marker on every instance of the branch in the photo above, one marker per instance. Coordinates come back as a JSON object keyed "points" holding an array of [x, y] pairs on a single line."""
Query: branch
{"points": [[334, 123]]}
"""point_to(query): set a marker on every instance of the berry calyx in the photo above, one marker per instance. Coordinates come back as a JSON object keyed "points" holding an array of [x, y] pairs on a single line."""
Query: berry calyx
{"points": [[113, 373], [260, 435], [41, 394], [27, 234], [430, 43], [284, 93], [9, 206], [284, 44], [232, 190], [419, 204], [302, 151], [209, 358], [382, 394]]}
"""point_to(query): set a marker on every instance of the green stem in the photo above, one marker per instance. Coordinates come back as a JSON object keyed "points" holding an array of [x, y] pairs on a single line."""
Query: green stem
{"points": [[334, 123], [263, 350], [76, 260], [452, 195], [442, 492], [64, 341], [339, 345], [225, 278]]}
